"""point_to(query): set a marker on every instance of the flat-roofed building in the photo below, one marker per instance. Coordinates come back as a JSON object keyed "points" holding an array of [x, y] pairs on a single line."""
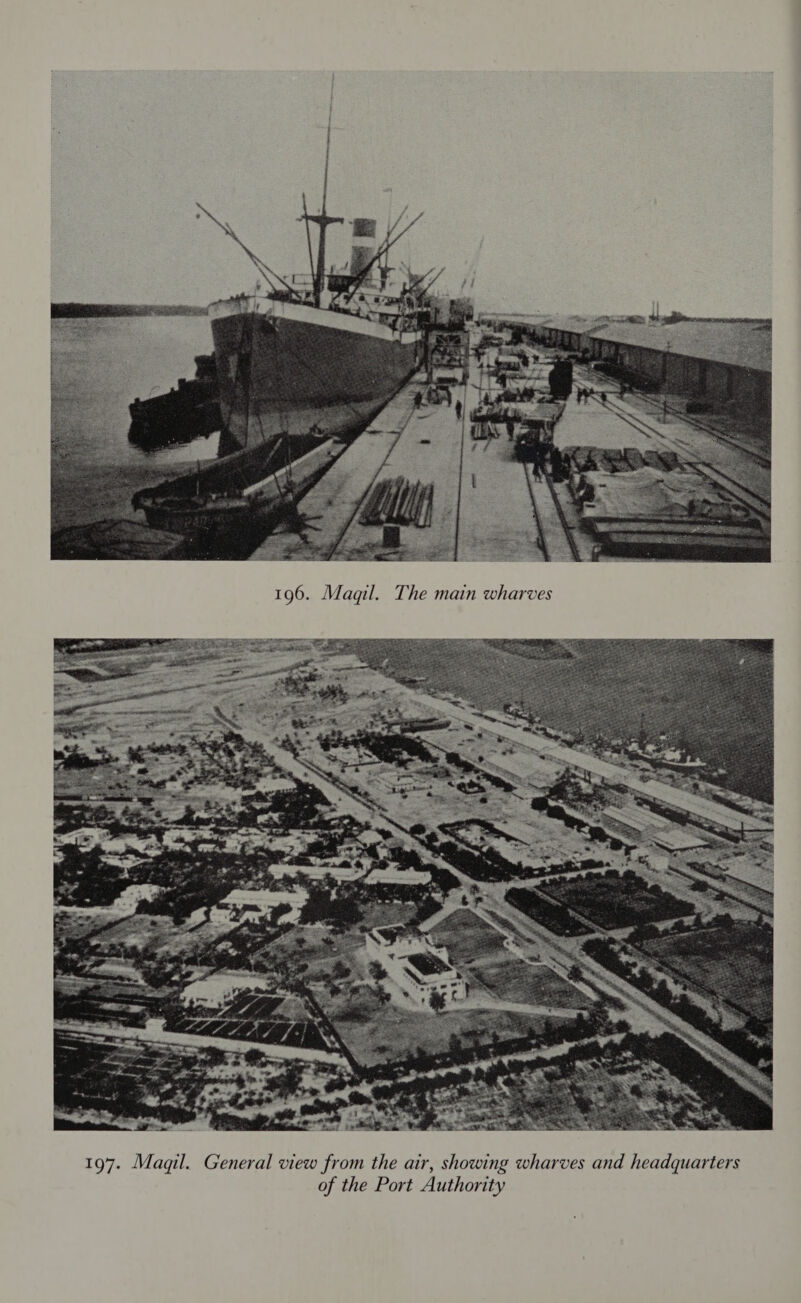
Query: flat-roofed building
{"points": [[419, 967], [272, 784], [173, 837], [524, 769], [633, 824], [83, 838], [217, 989], [678, 839]]}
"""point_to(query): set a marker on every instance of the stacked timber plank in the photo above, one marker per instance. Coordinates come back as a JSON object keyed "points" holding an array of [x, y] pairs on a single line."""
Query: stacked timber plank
{"points": [[399, 501]]}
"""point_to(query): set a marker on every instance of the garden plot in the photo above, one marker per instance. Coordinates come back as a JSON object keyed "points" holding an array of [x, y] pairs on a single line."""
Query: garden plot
{"points": [[376, 1032], [254, 1016], [477, 950], [617, 901]]}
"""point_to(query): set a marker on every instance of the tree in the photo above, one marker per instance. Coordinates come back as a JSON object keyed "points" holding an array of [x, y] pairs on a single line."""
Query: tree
{"points": [[288, 1081], [437, 1001]]}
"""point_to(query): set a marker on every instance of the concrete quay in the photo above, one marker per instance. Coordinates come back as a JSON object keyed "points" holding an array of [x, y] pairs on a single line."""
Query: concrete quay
{"points": [[487, 505]]}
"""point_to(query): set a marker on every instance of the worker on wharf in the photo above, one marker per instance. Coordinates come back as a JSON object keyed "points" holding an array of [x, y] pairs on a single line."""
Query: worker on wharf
{"points": [[536, 455]]}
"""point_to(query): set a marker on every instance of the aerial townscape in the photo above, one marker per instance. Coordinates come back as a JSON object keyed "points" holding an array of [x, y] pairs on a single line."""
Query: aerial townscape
{"points": [[303, 885]]}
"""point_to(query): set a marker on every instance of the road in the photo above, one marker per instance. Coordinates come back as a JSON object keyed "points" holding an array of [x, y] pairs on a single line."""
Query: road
{"points": [[654, 1016]]}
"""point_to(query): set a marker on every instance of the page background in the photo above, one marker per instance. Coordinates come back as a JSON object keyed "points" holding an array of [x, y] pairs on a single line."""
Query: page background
{"points": [[75, 1236]]}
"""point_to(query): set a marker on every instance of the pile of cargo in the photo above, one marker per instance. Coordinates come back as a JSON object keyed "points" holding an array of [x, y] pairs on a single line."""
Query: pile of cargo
{"points": [[647, 502], [615, 461], [398, 501]]}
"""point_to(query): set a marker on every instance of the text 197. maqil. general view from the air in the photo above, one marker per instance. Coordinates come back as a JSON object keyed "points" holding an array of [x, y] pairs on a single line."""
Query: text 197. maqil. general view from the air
{"points": [[505, 885], [411, 316]]}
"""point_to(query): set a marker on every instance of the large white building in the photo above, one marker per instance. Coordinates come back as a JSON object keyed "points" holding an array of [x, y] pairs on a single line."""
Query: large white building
{"points": [[419, 967]]}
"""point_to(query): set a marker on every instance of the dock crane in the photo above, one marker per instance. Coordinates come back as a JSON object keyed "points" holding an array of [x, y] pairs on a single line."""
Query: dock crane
{"points": [[470, 275]]}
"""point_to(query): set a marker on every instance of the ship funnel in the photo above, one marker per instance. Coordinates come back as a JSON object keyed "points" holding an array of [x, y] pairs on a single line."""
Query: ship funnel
{"points": [[363, 246]]}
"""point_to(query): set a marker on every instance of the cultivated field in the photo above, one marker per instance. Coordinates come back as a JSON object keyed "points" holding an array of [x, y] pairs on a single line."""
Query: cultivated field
{"points": [[596, 1095], [735, 963], [477, 950], [121, 1076], [314, 949], [252, 1016]]}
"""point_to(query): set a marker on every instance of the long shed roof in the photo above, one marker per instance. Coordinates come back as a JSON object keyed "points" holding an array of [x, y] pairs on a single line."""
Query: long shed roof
{"points": [[734, 343]]}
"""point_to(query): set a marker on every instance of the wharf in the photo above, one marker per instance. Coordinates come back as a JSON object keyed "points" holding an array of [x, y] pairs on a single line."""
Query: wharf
{"points": [[481, 507], [488, 506]]}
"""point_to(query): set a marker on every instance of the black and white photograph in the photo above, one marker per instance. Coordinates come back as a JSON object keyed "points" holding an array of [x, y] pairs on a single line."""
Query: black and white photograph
{"points": [[407, 885], [411, 316]]}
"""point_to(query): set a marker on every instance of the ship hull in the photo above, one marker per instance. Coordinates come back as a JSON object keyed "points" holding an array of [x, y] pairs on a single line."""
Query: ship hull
{"points": [[287, 367]]}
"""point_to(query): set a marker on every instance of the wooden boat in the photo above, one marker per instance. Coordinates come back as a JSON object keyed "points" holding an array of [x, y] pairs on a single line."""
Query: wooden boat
{"points": [[232, 499]]}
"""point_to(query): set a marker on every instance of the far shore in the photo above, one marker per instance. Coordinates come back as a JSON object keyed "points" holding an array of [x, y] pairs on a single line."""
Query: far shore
{"points": [[126, 310]]}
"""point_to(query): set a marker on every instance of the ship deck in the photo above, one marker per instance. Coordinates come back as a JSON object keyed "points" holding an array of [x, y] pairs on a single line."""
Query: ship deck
{"points": [[488, 506]]}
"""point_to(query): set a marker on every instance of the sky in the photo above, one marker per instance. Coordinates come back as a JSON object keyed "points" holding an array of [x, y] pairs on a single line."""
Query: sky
{"points": [[594, 192]]}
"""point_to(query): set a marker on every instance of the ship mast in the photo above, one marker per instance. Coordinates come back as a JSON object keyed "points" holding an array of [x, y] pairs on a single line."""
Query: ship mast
{"points": [[322, 219], [385, 267]]}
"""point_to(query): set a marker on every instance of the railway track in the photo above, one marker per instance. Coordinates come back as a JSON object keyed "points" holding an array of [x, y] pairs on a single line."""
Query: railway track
{"points": [[709, 430], [748, 497], [591, 377], [556, 535]]}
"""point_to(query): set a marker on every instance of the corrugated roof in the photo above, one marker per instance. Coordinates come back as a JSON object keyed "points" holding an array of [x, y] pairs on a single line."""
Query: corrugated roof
{"points": [[630, 332], [734, 343], [678, 799]]}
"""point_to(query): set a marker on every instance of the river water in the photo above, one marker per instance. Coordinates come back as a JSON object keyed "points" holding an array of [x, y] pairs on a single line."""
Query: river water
{"points": [[98, 365], [714, 696]]}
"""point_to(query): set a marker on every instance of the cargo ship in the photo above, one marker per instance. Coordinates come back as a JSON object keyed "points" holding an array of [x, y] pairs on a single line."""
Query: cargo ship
{"points": [[663, 755], [320, 352], [300, 368]]}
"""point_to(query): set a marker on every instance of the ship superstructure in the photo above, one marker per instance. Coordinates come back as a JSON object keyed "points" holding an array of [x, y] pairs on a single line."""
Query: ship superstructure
{"points": [[319, 352]]}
